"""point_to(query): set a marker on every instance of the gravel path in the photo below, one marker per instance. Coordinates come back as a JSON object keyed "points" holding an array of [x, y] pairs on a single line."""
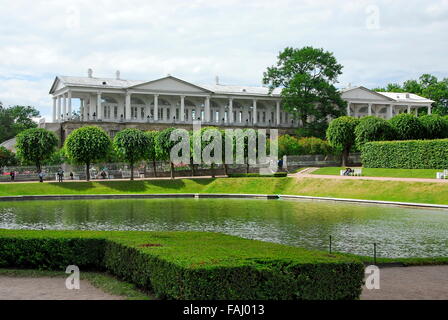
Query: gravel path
{"points": [[46, 288], [411, 283]]}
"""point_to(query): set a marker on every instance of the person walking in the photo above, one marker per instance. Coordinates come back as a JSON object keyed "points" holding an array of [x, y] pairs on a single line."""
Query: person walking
{"points": [[60, 175], [12, 174], [41, 176], [71, 175]]}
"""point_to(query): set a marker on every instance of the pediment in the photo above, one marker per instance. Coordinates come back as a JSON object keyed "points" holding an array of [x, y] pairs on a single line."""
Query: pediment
{"points": [[170, 84], [361, 93], [57, 84]]}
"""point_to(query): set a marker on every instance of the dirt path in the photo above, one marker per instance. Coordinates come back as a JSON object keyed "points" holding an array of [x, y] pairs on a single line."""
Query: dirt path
{"points": [[410, 283], [46, 288], [307, 173]]}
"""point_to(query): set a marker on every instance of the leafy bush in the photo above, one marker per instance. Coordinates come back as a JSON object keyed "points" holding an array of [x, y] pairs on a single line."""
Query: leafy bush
{"points": [[407, 127], [413, 154], [292, 146], [191, 265], [372, 128], [341, 135], [7, 158], [436, 126], [252, 175]]}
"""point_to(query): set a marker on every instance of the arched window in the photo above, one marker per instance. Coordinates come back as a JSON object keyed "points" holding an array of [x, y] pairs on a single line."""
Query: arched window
{"points": [[108, 100], [135, 100]]}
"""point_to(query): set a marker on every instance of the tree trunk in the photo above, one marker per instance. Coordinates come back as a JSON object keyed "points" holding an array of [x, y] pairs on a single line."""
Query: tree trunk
{"points": [[247, 166], [154, 165], [226, 170], [39, 167], [345, 157], [88, 171], [212, 168], [172, 170], [132, 171], [192, 167]]}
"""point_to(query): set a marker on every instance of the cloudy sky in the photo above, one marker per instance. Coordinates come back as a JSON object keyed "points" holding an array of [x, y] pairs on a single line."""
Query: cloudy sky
{"points": [[376, 41]]}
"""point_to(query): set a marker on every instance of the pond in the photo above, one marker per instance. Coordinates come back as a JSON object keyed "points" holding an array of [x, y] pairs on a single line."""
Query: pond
{"points": [[398, 231]]}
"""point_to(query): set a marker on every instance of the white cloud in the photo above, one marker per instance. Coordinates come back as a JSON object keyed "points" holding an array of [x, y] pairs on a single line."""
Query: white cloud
{"points": [[198, 39]]}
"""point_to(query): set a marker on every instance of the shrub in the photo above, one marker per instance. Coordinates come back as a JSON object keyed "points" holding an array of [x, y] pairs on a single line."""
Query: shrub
{"points": [[341, 135], [372, 129], [413, 154], [436, 126], [191, 265], [288, 146], [7, 158], [314, 145], [407, 127]]}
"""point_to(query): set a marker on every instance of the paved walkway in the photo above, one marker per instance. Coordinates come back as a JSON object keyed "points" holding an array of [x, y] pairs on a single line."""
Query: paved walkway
{"points": [[307, 173], [46, 288], [410, 283]]}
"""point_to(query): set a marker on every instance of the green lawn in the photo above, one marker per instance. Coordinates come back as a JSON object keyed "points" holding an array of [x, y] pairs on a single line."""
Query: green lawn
{"points": [[420, 192], [380, 172]]}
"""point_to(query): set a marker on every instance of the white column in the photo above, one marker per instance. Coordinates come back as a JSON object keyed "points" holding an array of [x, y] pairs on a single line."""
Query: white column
{"points": [[254, 110], [277, 107], [64, 107], [156, 107], [409, 108], [69, 102], [128, 106], [416, 111], [92, 105], [54, 109], [207, 109], [348, 108], [182, 109], [230, 114], [58, 114], [390, 111], [429, 109], [370, 109], [99, 106]]}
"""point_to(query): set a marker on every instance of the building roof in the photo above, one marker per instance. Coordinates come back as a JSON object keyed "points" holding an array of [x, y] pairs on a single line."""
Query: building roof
{"points": [[404, 97], [127, 84]]}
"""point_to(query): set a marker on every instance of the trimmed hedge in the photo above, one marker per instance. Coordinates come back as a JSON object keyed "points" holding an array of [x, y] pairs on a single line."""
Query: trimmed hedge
{"points": [[411, 154], [191, 265], [257, 175]]}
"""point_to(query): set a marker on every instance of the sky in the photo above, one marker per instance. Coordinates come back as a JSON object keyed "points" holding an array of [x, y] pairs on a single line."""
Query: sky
{"points": [[377, 42]]}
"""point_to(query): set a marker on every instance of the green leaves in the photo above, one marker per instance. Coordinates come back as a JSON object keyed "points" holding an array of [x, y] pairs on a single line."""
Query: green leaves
{"points": [[341, 132], [132, 145], [36, 145], [436, 127], [87, 144], [16, 119], [407, 126], [372, 129], [413, 154], [307, 78]]}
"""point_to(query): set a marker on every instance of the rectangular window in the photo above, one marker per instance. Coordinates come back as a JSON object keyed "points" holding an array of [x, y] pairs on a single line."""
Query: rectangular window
{"points": [[281, 117], [168, 114]]}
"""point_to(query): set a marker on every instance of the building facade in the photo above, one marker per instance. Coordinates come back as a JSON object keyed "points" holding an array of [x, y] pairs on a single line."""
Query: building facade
{"points": [[116, 104]]}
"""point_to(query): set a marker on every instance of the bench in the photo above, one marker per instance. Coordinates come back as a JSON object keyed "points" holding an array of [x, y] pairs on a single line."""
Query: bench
{"points": [[355, 172], [442, 175]]}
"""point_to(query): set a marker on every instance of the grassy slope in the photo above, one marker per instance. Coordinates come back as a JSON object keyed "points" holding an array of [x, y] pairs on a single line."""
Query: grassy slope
{"points": [[103, 281], [420, 192], [380, 172]]}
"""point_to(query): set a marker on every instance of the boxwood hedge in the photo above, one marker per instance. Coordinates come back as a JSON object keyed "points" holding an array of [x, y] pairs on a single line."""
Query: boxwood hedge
{"points": [[190, 265], [411, 154]]}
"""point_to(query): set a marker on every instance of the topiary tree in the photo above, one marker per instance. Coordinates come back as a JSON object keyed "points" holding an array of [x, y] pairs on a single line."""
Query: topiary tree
{"points": [[152, 154], [132, 145], [407, 127], [341, 135], [164, 146], [372, 129], [87, 145], [36, 145], [436, 126]]}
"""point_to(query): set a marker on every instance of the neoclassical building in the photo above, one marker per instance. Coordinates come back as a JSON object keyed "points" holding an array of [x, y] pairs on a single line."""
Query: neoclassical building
{"points": [[115, 104]]}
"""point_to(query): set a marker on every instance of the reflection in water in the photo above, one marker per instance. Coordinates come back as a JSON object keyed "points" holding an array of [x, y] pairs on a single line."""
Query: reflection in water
{"points": [[399, 232]]}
